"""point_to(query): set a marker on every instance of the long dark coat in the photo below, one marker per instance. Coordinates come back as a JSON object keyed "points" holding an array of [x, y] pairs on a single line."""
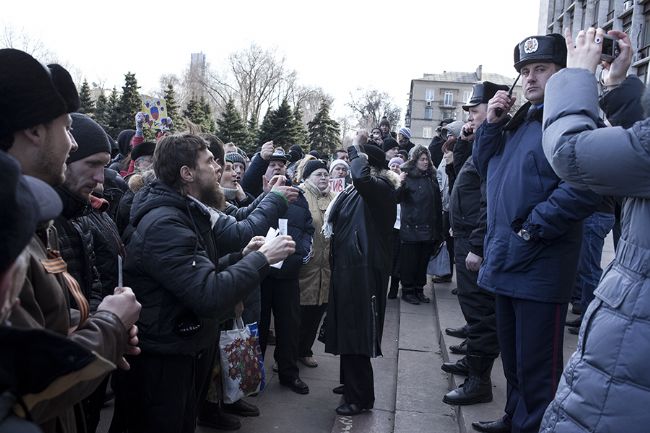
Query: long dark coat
{"points": [[360, 253]]}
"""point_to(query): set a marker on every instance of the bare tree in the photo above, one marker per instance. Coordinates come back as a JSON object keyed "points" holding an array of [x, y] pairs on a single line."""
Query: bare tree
{"points": [[370, 105], [21, 40]]}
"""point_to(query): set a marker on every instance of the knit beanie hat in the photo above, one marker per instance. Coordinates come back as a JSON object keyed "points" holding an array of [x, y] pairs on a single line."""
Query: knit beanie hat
{"points": [[454, 128], [295, 153], [389, 143], [396, 160], [124, 141], [312, 166], [376, 157], [233, 157], [90, 137], [31, 93], [338, 162], [405, 133]]}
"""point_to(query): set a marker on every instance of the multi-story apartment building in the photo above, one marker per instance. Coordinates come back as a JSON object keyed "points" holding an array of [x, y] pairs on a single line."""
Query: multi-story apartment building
{"points": [[440, 96], [630, 16]]}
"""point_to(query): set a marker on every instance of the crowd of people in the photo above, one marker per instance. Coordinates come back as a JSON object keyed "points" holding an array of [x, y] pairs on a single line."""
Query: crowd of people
{"points": [[123, 260]]}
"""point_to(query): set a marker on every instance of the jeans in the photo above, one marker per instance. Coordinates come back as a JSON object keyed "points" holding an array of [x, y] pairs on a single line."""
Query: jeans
{"points": [[595, 229]]}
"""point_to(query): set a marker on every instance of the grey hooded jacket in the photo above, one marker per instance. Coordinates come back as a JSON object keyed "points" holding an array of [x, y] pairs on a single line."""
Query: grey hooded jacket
{"points": [[605, 386]]}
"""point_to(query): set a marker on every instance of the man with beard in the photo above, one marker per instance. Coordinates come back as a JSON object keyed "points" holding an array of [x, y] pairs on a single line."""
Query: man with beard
{"points": [[186, 289], [35, 130]]}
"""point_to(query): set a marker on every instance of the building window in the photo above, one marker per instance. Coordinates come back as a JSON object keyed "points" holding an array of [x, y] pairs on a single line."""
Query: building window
{"points": [[428, 94], [428, 113], [448, 98], [427, 132], [448, 114], [627, 24], [596, 9], [610, 10], [466, 95]]}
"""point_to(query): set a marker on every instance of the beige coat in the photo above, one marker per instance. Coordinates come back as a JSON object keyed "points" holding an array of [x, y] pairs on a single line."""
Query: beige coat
{"points": [[314, 276]]}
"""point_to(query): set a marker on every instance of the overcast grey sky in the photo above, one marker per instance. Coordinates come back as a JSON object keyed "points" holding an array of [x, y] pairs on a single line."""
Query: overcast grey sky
{"points": [[337, 45]]}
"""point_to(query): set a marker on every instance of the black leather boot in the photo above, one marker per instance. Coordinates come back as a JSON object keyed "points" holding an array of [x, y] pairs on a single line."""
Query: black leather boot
{"points": [[408, 295], [477, 388], [459, 367]]}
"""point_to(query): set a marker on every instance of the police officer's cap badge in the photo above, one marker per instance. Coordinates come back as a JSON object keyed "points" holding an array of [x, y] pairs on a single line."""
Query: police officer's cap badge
{"points": [[531, 45]]}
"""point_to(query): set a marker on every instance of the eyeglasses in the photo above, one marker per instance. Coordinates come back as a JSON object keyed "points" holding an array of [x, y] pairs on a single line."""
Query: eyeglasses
{"points": [[321, 174]]}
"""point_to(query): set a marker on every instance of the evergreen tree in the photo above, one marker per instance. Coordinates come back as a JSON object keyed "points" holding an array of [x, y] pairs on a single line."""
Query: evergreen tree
{"points": [[282, 127], [194, 112], [208, 121], [324, 132], [130, 102], [172, 105], [87, 105], [300, 135], [113, 114], [253, 135], [101, 110], [266, 129], [231, 127]]}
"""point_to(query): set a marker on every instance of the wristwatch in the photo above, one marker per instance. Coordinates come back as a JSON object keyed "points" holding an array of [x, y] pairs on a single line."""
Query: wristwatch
{"points": [[524, 234]]}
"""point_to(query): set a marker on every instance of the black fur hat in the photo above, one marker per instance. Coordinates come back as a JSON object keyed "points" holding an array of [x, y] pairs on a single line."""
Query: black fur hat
{"points": [[32, 93]]}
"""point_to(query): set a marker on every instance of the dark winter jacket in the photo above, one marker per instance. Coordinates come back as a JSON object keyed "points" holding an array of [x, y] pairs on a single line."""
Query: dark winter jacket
{"points": [[605, 385], [300, 226], [468, 207], [114, 189], [421, 204], [362, 217], [523, 191], [172, 264], [435, 149], [107, 246], [76, 245]]}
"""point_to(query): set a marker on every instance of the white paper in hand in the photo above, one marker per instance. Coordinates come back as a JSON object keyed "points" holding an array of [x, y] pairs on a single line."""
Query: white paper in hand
{"points": [[270, 235], [282, 226]]}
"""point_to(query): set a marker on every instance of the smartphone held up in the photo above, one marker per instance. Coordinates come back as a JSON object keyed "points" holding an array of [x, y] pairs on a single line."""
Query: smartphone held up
{"points": [[610, 50]]}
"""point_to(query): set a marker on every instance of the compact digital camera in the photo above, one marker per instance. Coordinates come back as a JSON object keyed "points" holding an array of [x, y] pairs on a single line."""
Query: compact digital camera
{"points": [[610, 49]]}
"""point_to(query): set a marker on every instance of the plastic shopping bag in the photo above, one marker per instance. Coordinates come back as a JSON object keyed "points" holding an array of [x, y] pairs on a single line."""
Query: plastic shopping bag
{"points": [[240, 362]]}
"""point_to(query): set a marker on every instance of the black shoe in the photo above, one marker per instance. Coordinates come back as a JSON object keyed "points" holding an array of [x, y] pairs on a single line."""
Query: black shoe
{"points": [[477, 388], [349, 409], [410, 298], [458, 368], [454, 291], [392, 295], [457, 332], [442, 279], [574, 331], [574, 323], [296, 385], [498, 426], [241, 408], [213, 416], [422, 298], [339, 390], [459, 349]]}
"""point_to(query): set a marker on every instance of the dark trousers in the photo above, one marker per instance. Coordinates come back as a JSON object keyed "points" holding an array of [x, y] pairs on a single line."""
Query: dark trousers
{"points": [[394, 274], [161, 393], [531, 335], [449, 240], [357, 376], [477, 306], [310, 317], [414, 258], [594, 231], [283, 297]]}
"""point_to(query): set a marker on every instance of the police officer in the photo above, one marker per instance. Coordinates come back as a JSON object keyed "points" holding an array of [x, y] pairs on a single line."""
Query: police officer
{"points": [[532, 244], [467, 217]]}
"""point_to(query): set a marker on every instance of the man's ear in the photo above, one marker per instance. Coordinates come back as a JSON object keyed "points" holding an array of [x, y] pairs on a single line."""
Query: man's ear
{"points": [[35, 134], [187, 174]]}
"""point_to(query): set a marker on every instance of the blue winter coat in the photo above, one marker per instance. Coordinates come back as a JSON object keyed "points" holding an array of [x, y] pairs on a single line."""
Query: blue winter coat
{"points": [[606, 384], [524, 192]]}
